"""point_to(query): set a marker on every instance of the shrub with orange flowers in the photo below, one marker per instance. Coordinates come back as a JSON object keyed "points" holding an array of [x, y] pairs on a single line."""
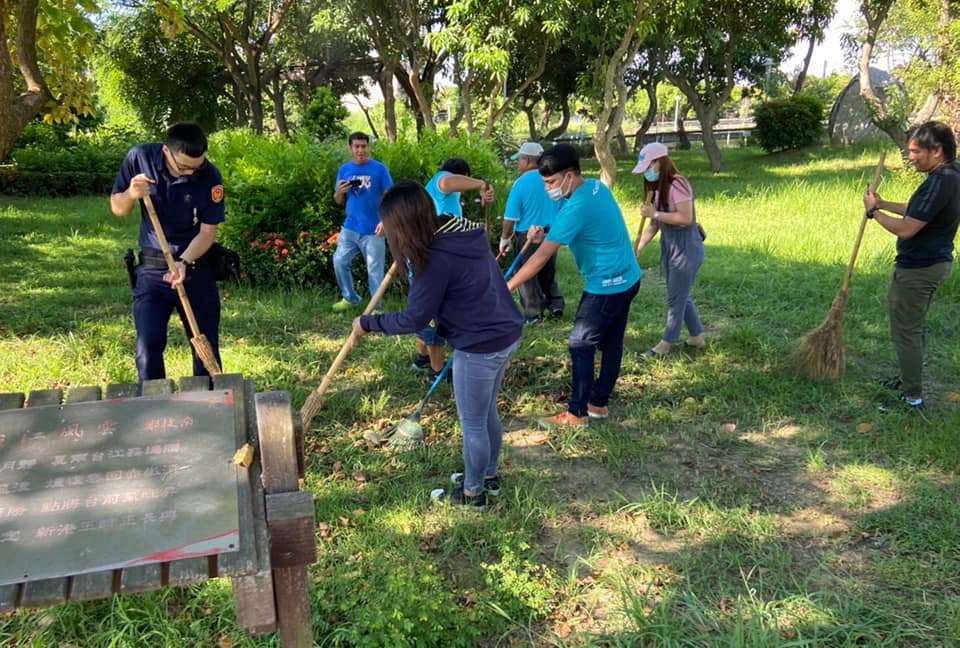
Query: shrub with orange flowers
{"points": [[301, 260]]}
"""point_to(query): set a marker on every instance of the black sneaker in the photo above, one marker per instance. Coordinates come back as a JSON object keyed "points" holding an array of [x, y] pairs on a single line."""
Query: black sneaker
{"points": [[456, 497], [448, 378], [912, 404], [533, 320], [421, 362], [491, 485]]}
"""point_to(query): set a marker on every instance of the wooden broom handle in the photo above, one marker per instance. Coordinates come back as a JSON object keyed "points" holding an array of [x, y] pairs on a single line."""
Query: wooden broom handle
{"points": [[171, 265], [312, 404], [643, 221], [863, 223]]}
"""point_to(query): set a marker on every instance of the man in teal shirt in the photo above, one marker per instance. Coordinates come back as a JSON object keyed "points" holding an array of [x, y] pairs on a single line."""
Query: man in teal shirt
{"points": [[591, 224], [528, 205]]}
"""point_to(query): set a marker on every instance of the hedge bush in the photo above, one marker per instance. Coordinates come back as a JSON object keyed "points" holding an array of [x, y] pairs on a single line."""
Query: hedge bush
{"points": [[275, 189], [785, 124], [280, 208], [50, 161]]}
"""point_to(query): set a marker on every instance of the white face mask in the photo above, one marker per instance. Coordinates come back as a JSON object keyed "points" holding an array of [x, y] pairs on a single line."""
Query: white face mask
{"points": [[557, 192]]}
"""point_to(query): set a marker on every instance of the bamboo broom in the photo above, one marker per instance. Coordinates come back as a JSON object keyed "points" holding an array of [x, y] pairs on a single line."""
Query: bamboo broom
{"points": [[821, 352], [199, 341]]}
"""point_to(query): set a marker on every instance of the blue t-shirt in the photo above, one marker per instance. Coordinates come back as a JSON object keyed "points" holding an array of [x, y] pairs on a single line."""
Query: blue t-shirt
{"points": [[182, 204], [529, 203], [591, 224], [363, 201], [447, 203]]}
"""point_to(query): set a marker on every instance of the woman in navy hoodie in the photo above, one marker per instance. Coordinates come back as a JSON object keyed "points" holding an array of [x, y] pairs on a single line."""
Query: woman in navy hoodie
{"points": [[459, 286]]}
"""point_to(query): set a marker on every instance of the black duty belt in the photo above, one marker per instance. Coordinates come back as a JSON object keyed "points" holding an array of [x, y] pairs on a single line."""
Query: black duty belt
{"points": [[155, 259]]}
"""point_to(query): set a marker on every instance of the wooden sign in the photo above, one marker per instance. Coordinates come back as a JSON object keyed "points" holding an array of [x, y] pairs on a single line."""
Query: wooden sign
{"points": [[108, 484]]}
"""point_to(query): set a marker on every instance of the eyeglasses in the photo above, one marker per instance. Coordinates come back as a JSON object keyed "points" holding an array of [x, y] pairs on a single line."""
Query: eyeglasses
{"points": [[184, 168]]}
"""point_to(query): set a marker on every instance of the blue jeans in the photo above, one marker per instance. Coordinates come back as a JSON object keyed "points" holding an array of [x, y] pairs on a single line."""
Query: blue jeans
{"points": [[349, 245], [600, 323], [476, 384]]}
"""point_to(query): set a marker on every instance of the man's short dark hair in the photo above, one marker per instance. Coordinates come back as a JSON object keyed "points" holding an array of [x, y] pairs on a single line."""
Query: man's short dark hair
{"points": [[458, 166], [558, 159], [187, 138], [934, 134], [358, 135]]}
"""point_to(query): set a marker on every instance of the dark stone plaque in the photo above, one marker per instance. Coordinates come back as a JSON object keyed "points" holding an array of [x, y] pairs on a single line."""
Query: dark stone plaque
{"points": [[117, 483]]}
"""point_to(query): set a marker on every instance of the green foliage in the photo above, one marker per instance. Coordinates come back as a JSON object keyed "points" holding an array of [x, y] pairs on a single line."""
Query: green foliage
{"points": [[277, 189], [298, 261], [523, 590], [402, 604], [421, 160], [324, 115], [788, 123], [826, 89], [51, 160], [143, 68]]}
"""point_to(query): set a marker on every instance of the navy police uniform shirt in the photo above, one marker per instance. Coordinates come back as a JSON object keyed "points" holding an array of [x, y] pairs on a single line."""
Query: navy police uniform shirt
{"points": [[182, 203]]}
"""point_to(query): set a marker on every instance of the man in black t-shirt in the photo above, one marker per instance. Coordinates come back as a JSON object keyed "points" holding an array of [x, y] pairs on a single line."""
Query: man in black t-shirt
{"points": [[925, 236]]}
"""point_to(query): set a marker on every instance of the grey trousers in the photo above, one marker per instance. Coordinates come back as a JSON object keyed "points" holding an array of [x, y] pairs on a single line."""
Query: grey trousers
{"points": [[909, 297]]}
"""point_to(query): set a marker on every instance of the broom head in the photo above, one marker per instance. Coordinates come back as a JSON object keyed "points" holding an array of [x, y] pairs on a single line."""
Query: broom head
{"points": [[205, 352], [821, 353]]}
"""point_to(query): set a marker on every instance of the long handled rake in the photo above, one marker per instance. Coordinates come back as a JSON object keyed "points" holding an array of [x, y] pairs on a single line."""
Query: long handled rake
{"points": [[409, 431], [821, 353], [315, 400], [199, 341]]}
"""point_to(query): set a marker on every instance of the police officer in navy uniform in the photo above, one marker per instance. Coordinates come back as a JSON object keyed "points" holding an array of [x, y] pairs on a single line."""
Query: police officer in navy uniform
{"points": [[187, 192]]}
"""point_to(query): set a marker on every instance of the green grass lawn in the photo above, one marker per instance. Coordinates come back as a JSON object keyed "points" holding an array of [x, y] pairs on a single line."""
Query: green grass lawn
{"points": [[728, 501]]}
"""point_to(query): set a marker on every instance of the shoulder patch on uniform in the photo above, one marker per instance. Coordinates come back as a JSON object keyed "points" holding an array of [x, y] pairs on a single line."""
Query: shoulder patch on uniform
{"points": [[216, 194]]}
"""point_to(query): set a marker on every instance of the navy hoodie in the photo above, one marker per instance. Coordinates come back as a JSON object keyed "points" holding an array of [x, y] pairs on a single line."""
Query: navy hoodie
{"points": [[462, 289]]}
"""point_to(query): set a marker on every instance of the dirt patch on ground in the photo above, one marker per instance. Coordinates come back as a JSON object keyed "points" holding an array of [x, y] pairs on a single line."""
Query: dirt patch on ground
{"points": [[595, 537]]}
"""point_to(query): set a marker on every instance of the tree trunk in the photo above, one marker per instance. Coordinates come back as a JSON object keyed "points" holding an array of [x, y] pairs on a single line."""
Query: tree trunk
{"points": [[684, 140], [385, 81], [528, 109], [802, 75], [560, 128], [279, 111], [622, 146], [611, 115], [19, 109], [493, 116], [649, 118], [366, 113], [880, 115], [709, 141]]}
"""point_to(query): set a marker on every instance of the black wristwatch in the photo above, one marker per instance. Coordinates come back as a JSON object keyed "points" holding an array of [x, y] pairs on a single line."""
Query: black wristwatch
{"points": [[872, 211]]}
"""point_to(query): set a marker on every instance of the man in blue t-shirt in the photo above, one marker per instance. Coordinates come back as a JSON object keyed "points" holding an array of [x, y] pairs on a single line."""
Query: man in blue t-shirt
{"points": [[187, 193], [527, 205], [360, 184], [591, 224], [444, 189], [447, 184]]}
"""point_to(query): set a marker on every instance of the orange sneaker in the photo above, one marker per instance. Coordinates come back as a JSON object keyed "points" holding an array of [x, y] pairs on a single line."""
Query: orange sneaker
{"points": [[564, 418], [597, 412]]}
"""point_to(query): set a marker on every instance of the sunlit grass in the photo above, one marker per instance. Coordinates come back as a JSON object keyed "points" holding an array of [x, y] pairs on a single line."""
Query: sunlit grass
{"points": [[727, 502]]}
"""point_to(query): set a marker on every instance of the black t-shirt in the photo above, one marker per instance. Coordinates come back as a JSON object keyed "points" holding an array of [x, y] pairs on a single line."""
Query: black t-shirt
{"points": [[936, 202]]}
